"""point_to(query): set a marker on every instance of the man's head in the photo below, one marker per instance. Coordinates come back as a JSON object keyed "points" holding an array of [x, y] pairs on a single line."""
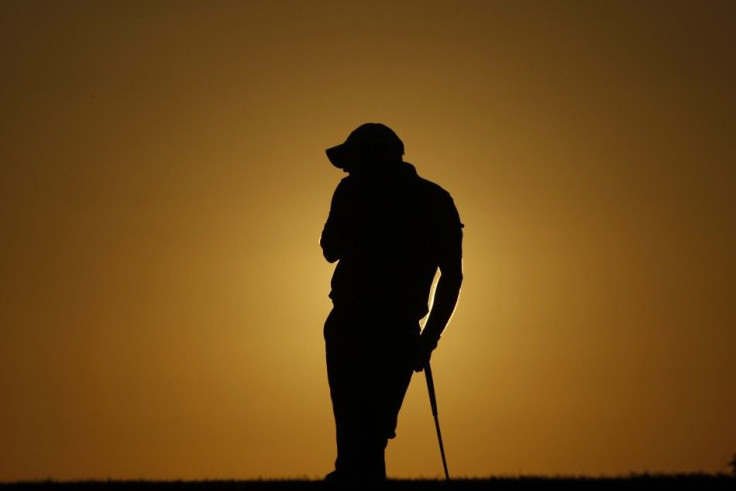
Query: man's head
{"points": [[370, 144]]}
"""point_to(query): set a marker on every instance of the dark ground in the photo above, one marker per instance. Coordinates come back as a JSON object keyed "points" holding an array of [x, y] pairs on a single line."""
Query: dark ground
{"points": [[646, 481]]}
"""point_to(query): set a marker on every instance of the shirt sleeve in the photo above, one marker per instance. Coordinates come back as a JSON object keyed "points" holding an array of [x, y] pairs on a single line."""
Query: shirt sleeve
{"points": [[450, 237]]}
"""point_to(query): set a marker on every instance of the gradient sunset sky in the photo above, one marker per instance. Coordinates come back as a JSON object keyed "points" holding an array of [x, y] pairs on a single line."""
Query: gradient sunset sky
{"points": [[163, 185]]}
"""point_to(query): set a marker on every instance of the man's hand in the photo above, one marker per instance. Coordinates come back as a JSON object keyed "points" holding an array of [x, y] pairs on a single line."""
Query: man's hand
{"points": [[423, 352]]}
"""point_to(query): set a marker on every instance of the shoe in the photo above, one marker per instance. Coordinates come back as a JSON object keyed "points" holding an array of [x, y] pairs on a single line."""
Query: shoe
{"points": [[338, 476]]}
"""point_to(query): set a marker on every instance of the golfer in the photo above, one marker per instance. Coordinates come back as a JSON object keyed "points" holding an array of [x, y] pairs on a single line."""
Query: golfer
{"points": [[389, 231]]}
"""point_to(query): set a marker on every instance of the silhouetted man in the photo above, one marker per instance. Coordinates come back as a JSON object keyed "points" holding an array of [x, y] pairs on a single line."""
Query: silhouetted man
{"points": [[390, 231]]}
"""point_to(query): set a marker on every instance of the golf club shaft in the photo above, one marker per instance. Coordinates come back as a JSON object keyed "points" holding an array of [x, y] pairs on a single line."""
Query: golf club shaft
{"points": [[433, 403]]}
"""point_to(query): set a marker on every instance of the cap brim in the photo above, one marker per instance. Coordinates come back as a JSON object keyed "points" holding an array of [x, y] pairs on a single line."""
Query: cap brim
{"points": [[339, 156]]}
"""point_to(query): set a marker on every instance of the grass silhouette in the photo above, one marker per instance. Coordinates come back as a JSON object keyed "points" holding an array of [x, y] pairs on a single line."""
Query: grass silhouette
{"points": [[692, 481]]}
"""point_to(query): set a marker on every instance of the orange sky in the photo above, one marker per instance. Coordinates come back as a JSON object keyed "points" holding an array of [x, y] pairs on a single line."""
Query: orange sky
{"points": [[163, 187]]}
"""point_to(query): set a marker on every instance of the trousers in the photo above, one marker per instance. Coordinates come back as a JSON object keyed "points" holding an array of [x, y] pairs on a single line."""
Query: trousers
{"points": [[369, 367]]}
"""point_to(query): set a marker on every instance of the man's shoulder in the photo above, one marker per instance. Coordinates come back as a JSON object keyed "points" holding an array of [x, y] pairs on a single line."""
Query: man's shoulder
{"points": [[431, 186], [433, 191], [439, 201]]}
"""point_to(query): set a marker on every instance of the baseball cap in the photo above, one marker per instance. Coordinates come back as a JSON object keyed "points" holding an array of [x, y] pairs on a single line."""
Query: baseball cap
{"points": [[372, 138]]}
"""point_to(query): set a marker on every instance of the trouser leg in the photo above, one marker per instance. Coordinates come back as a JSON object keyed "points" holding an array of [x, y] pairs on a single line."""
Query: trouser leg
{"points": [[368, 376]]}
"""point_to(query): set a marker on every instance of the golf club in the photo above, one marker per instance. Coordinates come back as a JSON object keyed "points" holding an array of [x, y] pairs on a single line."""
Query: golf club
{"points": [[433, 402]]}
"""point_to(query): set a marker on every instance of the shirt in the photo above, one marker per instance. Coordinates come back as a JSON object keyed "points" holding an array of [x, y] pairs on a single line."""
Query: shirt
{"points": [[390, 232]]}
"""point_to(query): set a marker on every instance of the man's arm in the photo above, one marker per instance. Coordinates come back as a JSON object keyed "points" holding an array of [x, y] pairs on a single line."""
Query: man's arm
{"points": [[445, 300], [448, 289], [330, 241], [336, 232]]}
